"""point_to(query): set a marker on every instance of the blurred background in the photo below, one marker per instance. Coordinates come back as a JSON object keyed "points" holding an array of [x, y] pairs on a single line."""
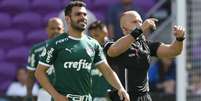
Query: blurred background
{"points": [[23, 23]]}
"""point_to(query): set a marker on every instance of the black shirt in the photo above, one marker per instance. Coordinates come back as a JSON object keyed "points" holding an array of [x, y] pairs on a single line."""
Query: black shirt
{"points": [[136, 59]]}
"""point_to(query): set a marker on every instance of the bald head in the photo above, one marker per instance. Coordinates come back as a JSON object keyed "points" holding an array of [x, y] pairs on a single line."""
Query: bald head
{"points": [[129, 20], [54, 27]]}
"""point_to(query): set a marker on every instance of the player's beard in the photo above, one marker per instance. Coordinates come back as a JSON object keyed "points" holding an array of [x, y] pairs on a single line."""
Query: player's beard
{"points": [[75, 25]]}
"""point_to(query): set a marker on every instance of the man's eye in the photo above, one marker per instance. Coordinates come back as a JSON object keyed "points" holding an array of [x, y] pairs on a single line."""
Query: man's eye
{"points": [[78, 14]]}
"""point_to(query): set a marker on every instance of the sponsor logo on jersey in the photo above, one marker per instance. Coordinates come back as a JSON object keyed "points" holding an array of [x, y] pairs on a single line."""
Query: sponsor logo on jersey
{"points": [[49, 55], [78, 65], [90, 51], [69, 50], [43, 52], [32, 60], [61, 41]]}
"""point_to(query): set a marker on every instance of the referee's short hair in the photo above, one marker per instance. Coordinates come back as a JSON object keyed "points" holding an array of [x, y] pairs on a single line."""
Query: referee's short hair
{"points": [[73, 3]]}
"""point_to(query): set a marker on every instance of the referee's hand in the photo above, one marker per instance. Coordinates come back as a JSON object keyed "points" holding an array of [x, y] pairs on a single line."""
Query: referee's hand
{"points": [[179, 31], [123, 95], [149, 25]]}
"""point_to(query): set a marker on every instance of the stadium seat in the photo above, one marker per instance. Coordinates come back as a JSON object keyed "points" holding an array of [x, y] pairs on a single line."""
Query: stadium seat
{"points": [[64, 3], [5, 20], [4, 86], [7, 75], [45, 6], [146, 5], [101, 4], [27, 21], [18, 55], [7, 70], [2, 54], [99, 15], [14, 6], [36, 37], [11, 38]]}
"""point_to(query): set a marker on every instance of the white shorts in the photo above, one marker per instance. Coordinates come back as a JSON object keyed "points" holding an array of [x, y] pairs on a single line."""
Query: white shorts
{"points": [[43, 95], [101, 99]]}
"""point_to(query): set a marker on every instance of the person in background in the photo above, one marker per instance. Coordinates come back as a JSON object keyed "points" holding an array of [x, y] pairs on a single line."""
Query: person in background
{"points": [[18, 88], [162, 76], [54, 28], [73, 54], [100, 87]]}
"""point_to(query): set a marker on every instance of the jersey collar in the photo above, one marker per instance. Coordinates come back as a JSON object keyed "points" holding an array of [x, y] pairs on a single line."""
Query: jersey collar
{"points": [[74, 38]]}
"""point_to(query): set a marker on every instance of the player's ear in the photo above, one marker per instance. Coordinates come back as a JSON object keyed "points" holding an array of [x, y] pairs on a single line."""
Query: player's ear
{"points": [[124, 29], [68, 19]]}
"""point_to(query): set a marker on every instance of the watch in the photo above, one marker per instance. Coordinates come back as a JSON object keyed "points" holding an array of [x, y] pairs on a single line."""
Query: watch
{"points": [[180, 39]]}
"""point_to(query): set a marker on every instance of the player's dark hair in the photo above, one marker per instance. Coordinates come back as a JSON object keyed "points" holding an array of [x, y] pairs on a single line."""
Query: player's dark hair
{"points": [[96, 24], [68, 8]]}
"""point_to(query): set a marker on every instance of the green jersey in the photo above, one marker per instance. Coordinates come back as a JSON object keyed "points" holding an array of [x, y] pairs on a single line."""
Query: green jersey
{"points": [[72, 59], [99, 85], [34, 54], [33, 59]]}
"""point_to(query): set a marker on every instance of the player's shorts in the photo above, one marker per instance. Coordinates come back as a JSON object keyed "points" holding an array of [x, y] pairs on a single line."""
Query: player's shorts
{"points": [[43, 95], [101, 99]]}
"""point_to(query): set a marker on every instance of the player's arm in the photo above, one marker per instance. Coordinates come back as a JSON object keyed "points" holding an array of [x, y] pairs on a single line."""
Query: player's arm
{"points": [[47, 58], [175, 48], [113, 79], [31, 66], [41, 76], [30, 82]]}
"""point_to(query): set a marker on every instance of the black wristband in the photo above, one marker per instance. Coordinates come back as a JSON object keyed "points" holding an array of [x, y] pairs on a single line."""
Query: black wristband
{"points": [[136, 33], [180, 39]]}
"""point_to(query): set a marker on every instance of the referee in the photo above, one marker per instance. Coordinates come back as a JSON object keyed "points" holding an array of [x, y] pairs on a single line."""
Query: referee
{"points": [[133, 52]]}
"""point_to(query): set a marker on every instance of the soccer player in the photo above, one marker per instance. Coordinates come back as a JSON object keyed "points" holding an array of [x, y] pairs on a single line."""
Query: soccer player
{"points": [[72, 54], [54, 28], [133, 51], [100, 86]]}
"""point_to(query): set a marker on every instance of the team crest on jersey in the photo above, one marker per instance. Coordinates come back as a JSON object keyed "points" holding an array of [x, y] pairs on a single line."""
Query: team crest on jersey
{"points": [[44, 52], [89, 51]]}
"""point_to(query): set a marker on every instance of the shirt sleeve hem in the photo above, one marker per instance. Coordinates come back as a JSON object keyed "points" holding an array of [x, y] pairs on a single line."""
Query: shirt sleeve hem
{"points": [[31, 68], [97, 63], [44, 64]]}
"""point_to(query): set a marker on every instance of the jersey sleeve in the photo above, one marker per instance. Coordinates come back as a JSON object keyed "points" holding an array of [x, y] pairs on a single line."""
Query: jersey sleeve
{"points": [[153, 46], [47, 57], [107, 46], [99, 55], [31, 64]]}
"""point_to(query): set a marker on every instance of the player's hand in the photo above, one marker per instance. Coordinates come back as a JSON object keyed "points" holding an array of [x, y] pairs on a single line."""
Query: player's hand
{"points": [[178, 31], [60, 97], [123, 95], [149, 25]]}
